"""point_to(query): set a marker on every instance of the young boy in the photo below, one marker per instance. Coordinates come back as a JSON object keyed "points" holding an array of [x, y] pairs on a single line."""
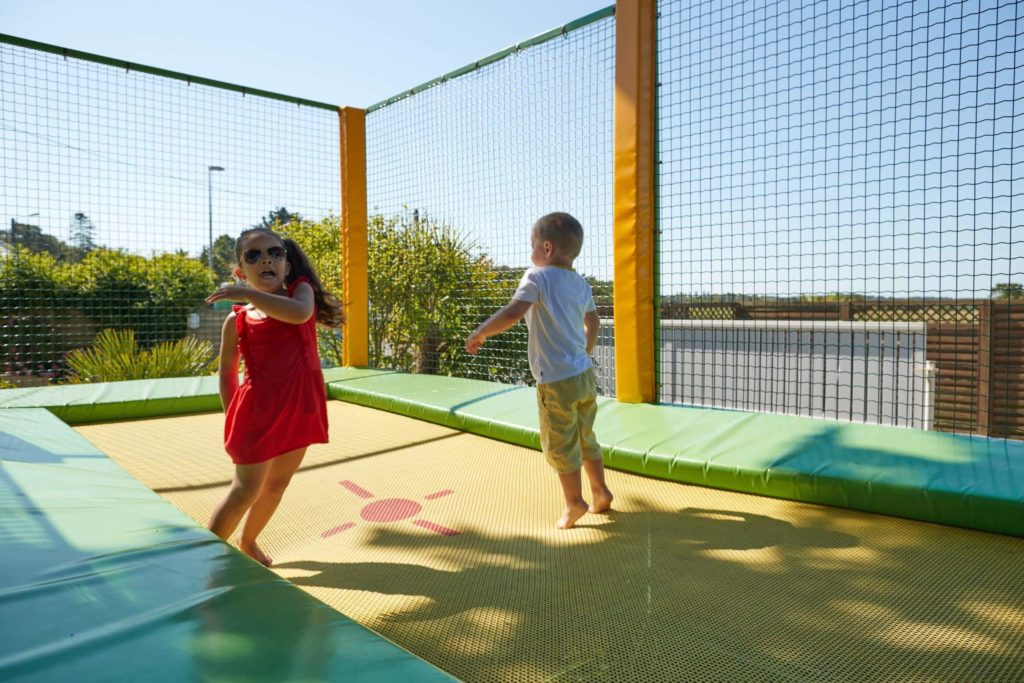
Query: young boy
{"points": [[563, 322]]}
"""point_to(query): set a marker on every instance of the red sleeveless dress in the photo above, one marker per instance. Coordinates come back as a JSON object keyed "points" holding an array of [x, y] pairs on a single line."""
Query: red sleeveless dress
{"points": [[281, 404]]}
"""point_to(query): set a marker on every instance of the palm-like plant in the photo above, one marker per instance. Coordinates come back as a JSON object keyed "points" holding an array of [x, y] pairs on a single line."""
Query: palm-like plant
{"points": [[114, 356]]}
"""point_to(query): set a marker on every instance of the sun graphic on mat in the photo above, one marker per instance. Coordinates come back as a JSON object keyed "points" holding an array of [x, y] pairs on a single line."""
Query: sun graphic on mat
{"points": [[391, 510]]}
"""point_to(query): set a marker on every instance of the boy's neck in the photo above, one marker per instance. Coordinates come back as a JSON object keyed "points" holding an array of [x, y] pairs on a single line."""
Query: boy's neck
{"points": [[557, 262]]}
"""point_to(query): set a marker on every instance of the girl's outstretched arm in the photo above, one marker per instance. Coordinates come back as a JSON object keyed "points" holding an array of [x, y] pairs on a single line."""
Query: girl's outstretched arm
{"points": [[228, 366], [295, 309]]}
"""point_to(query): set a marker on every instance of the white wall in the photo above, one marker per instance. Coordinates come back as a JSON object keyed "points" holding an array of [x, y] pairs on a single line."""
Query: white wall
{"points": [[857, 371]]}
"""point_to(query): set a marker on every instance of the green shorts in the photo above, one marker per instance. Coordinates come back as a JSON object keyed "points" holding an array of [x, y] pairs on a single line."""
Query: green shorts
{"points": [[567, 411]]}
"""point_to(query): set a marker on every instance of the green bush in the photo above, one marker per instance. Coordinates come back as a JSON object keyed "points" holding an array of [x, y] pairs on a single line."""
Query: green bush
{"points": [[48, 307], [321, 240], [427, 290], [36, 327], [30, 281], [151, 296]]}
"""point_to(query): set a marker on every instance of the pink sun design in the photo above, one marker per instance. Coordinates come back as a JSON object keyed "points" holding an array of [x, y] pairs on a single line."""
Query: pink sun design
{"points": [[391, 510]]}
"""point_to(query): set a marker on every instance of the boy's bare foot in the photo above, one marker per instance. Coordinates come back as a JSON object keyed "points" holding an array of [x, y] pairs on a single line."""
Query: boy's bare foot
{"points": [[602, 501], [253, 551], [571, 514]]}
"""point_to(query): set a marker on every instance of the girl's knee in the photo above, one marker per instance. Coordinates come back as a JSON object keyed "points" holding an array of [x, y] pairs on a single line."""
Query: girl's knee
{"points": [[244, 495], [275, 486]]}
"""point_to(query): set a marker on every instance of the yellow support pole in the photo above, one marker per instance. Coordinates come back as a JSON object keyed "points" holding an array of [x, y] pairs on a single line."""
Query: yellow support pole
{"points": [[354, 290], [634, 200]]}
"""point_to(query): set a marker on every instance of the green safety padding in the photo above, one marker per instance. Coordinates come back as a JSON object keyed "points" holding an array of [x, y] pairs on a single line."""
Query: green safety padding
{"points": [[104, 580], [966, 481], [107, 401], [501, 411]]}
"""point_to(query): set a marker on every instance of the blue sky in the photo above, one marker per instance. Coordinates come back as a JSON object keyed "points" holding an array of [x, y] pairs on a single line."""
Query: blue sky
{"points": [[340, 52], [869, 146], [131, 151]]}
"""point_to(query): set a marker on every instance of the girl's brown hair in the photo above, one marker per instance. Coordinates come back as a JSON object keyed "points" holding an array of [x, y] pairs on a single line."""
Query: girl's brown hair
{"points": [[329, 311]]}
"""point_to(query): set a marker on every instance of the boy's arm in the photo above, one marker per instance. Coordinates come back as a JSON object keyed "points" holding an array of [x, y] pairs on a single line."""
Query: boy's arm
{"points": [[228, 366], [591, 324], [295, 309], [497, 323]]}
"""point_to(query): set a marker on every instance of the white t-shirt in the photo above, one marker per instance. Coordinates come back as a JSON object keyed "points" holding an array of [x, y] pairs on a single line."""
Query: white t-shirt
{"points": [[557, 348]]}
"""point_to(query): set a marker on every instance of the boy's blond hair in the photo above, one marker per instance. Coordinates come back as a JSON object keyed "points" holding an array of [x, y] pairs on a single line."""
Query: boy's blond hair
{"points": [[562, 230]]}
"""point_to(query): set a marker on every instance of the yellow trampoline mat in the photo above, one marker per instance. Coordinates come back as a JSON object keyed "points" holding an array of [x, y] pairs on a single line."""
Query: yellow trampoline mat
{"points": [[445, 543]]}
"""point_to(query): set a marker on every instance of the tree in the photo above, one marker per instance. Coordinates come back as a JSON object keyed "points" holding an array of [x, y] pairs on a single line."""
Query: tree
{"points": [[224, 260], [321, 240], [835, 297], [31, 238], [1008, 290], [603, 292], [278, 217], [82, 231], [427, 292]]}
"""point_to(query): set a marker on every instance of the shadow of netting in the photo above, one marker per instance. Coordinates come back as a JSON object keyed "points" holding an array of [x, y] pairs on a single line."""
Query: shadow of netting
{"points": [[680, 583], [698, 594]]}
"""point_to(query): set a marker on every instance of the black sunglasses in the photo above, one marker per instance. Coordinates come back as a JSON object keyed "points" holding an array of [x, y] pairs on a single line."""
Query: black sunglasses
{"points": [[251, 256]]}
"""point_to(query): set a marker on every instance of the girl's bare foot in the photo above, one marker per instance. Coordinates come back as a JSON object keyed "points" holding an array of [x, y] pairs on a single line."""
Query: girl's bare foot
{"points": [[602, 501], [253, 551], [571, 514]]}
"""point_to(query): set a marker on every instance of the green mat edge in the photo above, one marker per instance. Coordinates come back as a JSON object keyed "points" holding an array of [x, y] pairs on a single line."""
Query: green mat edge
{"points": [[134, 399], [508, 413], [965, 509]]}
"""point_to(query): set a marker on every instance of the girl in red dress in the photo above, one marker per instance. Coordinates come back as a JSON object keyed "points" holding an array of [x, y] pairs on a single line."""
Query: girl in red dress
{"points": [[281, 406]]}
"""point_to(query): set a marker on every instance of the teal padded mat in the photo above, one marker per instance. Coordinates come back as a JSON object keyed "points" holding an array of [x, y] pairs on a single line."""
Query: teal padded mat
{"points": [[104, 580]]}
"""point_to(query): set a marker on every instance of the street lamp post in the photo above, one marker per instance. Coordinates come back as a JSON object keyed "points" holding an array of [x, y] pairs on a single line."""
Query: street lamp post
{"points": [[209, 188]]}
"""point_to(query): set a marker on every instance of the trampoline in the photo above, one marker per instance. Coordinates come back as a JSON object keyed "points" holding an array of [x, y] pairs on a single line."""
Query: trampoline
{"points": [[443, 542], [738, 170]]}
